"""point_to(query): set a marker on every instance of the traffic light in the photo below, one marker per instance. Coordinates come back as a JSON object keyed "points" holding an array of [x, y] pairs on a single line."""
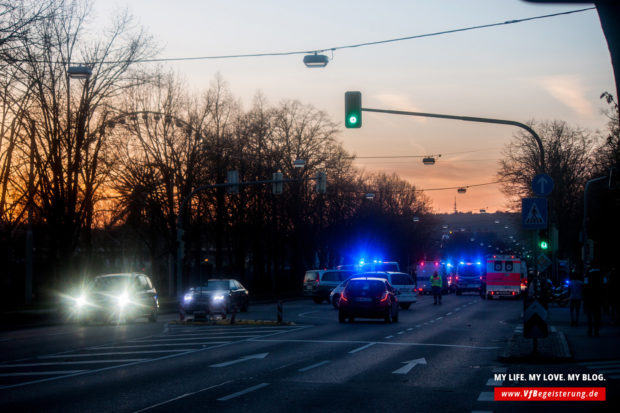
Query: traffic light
{"points": [[544, 244], [353, 109]]}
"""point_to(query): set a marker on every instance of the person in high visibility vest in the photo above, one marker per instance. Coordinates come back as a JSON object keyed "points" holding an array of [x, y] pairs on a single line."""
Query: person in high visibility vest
{"points": [[436, 285]]}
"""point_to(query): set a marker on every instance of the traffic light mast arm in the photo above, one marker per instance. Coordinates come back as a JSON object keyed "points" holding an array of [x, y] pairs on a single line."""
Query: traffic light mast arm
{"points": [[471, 119]]}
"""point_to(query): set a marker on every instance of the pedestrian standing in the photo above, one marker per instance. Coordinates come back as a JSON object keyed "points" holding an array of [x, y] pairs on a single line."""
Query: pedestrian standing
{"points": [[436, 284], [593, 299], [575, 287]]}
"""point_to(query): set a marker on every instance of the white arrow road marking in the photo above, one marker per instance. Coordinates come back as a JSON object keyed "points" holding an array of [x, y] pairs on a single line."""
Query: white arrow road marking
{"points": [[242, 359], [409, 365]]}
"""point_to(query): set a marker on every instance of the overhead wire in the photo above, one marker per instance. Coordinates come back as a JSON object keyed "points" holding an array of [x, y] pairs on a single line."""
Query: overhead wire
{"points": [[351, 46]]}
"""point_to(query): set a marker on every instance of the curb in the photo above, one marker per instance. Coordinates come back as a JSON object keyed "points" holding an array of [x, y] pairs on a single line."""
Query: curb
{"points": [[552, 349]]}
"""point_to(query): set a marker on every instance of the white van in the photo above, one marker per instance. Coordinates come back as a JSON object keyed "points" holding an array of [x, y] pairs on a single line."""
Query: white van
{"points": [[402, 282]]}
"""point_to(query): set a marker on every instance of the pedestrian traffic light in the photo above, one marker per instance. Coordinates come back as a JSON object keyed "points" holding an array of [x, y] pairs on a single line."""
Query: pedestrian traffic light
{"points": [[277, 187], [544, 244], [353, 109]]}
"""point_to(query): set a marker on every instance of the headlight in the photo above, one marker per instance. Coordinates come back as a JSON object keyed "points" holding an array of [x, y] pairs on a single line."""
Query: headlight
{"points": [[81, 301], [188, 297], [218, 297], [123, 299]]}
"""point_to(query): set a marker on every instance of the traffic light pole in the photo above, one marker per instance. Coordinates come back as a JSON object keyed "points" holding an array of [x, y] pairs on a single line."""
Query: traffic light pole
{"points": [[472, 119]]}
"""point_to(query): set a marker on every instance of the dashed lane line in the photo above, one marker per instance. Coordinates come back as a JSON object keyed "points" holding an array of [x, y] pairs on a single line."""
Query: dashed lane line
{"points": [[322, 363], [362, 348], [242, 392]]}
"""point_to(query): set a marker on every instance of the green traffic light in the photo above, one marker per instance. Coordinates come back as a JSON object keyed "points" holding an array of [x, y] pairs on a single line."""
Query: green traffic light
{"points": [[544, 245], [353, 109]]}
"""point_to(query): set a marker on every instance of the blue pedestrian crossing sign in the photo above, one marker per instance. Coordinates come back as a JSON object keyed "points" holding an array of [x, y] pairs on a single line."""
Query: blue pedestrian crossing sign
{"points": [[534, 213]]}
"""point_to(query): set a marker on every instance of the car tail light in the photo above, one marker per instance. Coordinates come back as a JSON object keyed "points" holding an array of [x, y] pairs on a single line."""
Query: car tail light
{"points": [[492, 292], [343, 297], [385, 296]]}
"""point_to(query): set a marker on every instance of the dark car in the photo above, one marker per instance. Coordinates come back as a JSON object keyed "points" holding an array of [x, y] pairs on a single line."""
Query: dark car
{"points": [[368, 297], [216, 296], [319, 283], [116, 298]]}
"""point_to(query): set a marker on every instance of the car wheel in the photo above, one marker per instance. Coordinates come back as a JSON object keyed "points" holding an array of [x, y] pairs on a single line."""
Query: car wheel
{"points": [[388, 316], [405, 306], [341, 317], [335, 300]]}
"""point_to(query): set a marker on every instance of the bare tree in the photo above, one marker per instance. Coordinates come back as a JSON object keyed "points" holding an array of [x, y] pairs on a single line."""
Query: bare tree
{"points": [[568, 158], [66, 139]]}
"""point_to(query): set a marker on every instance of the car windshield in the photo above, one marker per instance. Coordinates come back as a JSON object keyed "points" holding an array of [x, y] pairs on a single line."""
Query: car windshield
{"points": [[366, 286], [110, 283], [216, 286]]}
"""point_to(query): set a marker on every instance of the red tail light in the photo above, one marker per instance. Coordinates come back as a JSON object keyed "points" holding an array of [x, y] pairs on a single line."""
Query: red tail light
{"points": [[343, 297], [385, 296]]}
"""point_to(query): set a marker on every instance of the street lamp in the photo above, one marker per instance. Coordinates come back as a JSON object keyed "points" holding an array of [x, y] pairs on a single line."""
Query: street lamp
{"points": [[316, 60], [79, 72]]}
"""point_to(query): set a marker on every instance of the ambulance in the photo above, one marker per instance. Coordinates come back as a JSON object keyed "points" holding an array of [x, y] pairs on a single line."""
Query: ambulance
{"points": [[503, 278]]}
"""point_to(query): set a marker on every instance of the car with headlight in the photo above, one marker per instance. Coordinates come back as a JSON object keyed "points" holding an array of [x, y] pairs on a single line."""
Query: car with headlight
{"points": [[115, 298], [368, 297], [217, 296]]}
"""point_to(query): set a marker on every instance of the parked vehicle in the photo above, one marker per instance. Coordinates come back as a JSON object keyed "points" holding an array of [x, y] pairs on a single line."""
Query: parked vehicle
{"points": [[216, 296], [318, 284], [368, 297], [404, 285], [115, 298]]}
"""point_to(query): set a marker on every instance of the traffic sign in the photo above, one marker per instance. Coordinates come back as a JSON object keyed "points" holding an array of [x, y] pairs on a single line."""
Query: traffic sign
{"points": [[543, 262], [534, 213], [542, 185]]}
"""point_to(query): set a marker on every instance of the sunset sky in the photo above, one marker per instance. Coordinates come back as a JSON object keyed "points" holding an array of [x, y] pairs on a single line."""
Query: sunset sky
{"points": [[546, 69]]}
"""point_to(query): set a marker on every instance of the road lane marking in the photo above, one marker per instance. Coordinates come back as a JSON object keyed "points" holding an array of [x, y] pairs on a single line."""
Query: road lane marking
{"points": [[409, 365], [60, 363], [39, 373], [410, 328], [486, 396], [439, 318], [242, 392], [450, 313], [322, 363], [181, 397], [198, 343], [82, 372], [114, 353], [240, 360], [388, 337], [390, 343], [362, 348], [400, 332]]}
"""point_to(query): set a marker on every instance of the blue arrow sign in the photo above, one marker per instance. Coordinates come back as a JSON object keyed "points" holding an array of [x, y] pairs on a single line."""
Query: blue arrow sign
{"points": [[534, 213], [542, 184]]}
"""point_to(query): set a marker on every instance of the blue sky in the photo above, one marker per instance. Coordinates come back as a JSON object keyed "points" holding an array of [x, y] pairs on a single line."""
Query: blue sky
{"points": [[546, 69]]}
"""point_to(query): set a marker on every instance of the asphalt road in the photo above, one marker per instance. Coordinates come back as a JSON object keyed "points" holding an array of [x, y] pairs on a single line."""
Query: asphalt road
{"points": [[436, 358]]}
